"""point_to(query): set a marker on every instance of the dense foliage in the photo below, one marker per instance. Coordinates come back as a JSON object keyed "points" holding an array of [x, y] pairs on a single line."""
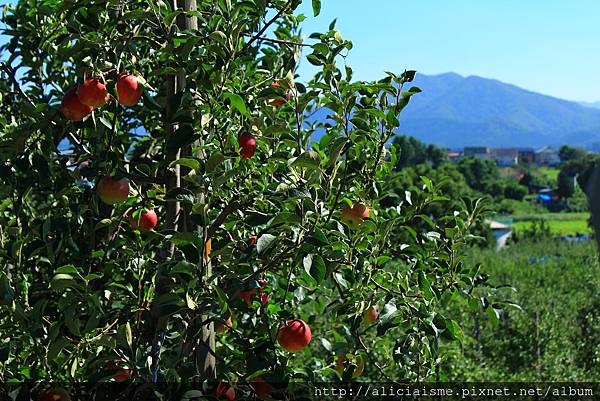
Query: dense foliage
{"points": [[553, 335], [83, 290]]}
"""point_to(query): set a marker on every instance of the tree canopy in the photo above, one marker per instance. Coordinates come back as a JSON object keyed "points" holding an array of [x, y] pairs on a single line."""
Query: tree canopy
{"points": [[257, 226]]}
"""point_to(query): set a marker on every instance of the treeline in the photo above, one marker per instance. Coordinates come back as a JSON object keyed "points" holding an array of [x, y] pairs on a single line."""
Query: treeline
{"points": [[469, 176]]}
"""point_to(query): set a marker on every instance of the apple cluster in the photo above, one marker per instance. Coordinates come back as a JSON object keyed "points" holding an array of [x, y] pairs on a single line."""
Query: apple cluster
{"points": [[81, 100]]}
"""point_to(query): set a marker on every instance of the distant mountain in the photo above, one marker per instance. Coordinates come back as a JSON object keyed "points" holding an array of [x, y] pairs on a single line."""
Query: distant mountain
{"points": [[454, 111], [594, 105]]}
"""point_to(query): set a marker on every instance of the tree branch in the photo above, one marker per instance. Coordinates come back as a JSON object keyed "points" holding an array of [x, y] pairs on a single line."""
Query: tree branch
{"points": [[267, 25]]}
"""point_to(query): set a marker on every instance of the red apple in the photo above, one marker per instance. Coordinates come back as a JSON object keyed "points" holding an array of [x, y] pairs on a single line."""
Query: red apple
{"points": [[353, 216], [360, 210], [145, 221], [225, 392], [93, 93], [72, 108], [279, 100], [221, 327], [248, 296], [112, 191], [262, 389], [54, 394], [121, 372], [129, 89], [341, 362], [370, 315], [247, 144], [347, 215], [294, 335]]}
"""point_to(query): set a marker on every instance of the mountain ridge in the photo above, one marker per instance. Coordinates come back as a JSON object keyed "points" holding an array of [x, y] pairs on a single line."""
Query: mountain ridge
{"points": [[455, 111]]}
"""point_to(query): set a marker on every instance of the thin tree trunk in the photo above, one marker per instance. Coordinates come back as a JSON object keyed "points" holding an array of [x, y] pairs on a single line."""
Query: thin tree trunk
{"points": [[205, 345]]}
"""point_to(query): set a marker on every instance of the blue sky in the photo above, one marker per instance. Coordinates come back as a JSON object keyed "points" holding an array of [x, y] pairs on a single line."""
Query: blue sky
{"points": [[548, 46]]}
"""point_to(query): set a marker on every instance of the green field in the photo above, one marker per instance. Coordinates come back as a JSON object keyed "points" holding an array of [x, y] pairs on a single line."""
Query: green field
{"points": [[558, 223], [557, 227], [550, 173]]}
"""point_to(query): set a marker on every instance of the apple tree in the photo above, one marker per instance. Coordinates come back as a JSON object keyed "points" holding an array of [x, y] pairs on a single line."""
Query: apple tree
{"points": [[177, 204]]}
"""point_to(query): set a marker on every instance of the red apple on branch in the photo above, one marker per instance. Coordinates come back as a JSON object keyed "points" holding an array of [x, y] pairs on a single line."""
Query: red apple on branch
{"points": [[54, 394], [247, 144], [117, 366], [370, 315], [248, 296], [221, 327], [145, 220], [353, 216], [129, 89], [340, 365], [262, 389], [72, 108], [279, 100], [294, 335], [92, 92], [112, 191], [225, 391]]}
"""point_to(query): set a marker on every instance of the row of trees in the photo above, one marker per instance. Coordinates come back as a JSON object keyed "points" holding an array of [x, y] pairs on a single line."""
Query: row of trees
{"points": [[480, 175], [83, 291]]}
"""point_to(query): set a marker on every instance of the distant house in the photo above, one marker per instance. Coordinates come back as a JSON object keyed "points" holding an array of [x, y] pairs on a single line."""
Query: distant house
{"points": [[547, 156], [506, 156], [478, 151], [453, 156], [501, 231], [526, 155]]}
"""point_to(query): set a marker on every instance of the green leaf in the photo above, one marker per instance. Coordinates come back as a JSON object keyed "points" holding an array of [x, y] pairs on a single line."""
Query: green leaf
{"points": [[187, 162], [128, 334], [102, 223], [182, 137], [190, 301], [314, 59], [285, 218], [214, 161], [455, 330], [62, 281], [191, 394], [316, 6], [317, 269], [265, 243], [317, 238], [218, 36], [67, 270], [425, 286], [237, 102], [309, 159], [56, 347], [181, 195], [105, 122]]}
